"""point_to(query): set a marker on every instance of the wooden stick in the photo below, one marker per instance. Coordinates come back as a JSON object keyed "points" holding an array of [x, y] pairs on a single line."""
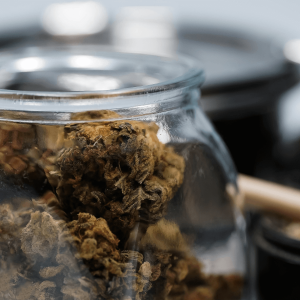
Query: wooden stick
{"points": [[270, 196]]}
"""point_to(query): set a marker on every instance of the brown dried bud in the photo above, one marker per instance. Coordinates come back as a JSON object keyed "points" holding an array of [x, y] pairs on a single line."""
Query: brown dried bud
{"points": [[49, 272], [164, 236], [145, 269], [226, 287], [155, 272], [117, 170], [200, 293], [131, 256], [17, 164], [95, 242], [7, 220]]}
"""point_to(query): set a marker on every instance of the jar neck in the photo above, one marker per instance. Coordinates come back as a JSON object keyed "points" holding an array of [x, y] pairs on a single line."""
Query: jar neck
{"points": [[63, 111]]}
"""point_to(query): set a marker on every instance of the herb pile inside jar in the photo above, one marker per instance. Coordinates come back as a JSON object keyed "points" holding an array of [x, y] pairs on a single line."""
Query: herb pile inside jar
{"points": [[98, 230]]}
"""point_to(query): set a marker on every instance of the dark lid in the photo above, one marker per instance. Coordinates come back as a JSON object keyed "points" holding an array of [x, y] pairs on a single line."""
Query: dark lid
{"points": [[243, 72]]}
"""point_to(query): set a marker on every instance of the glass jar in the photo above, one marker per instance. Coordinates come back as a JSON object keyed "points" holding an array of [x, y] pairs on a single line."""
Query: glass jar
{"points": [[114, 185]]}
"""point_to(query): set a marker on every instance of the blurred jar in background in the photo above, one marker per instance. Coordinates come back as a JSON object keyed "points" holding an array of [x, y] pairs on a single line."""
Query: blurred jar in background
{"points": [[143, 29], [74, 18]]}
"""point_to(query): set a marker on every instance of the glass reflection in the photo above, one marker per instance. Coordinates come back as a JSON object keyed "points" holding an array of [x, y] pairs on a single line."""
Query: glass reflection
{"points": [[80, 82]]}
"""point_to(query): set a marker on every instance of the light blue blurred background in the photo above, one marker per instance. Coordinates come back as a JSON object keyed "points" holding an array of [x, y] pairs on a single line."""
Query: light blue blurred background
{"points": [[278, 19]]}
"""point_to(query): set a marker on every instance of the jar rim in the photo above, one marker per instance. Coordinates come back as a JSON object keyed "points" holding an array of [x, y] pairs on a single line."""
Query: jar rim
{"points": [[53, 106], [192, 75]]}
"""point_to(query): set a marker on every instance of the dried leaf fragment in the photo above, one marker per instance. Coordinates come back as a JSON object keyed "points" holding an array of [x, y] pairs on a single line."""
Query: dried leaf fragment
{"points": [[49, 272], [40, 236]]}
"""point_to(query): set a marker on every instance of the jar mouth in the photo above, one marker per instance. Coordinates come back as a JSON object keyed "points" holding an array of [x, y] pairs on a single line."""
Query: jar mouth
{"points": [[76, 78]]}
